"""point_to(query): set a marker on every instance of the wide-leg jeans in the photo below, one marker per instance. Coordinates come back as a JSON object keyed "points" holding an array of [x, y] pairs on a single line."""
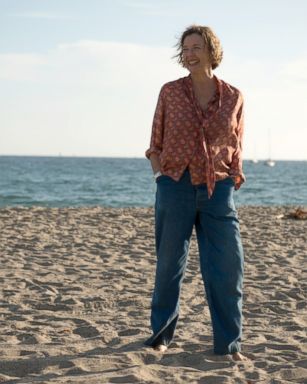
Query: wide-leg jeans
{"points": [[179, 207]]}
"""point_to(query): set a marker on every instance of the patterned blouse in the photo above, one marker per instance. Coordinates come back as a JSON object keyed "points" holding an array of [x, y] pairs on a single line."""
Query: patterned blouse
{"points": [[208, 142]]}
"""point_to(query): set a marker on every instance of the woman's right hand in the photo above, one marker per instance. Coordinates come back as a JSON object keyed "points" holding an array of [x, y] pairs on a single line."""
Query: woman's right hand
{"points": [[155, 163]]}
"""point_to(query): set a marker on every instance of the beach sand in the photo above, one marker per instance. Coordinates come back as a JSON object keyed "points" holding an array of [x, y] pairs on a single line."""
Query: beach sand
{"points": [[76, 286]]}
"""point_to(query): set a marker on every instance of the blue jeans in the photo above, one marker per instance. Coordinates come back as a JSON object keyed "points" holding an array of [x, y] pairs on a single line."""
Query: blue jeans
{"points": [[178, 207]]}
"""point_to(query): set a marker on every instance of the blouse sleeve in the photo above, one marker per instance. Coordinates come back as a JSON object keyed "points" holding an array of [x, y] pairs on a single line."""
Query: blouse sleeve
{"points": [[236, 169], [156, 141]]}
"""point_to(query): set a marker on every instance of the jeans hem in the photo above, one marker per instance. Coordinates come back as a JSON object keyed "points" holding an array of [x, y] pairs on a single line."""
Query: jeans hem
{"points": [[227, 351], [151, 342]]}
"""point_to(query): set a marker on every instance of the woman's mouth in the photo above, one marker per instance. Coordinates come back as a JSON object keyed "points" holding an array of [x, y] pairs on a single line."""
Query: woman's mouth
{"points": [[193, 62]]}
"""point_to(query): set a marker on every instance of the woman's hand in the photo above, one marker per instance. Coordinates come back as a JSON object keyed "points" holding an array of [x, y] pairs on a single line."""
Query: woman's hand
{"points": [[155, 162], [238, 182]]}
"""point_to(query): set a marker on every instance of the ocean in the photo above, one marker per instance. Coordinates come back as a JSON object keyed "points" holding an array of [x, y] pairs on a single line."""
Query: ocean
{"points": [[127, 182]]}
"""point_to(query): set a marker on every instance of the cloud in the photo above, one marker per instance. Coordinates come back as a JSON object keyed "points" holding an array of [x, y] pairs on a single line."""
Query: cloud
{"points": [[98, 98], [87, 98], [296, 70], [275, 99], [21, 67], [92, 63]]}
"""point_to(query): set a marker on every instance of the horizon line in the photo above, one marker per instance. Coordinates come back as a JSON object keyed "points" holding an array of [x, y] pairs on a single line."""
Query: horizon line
{"points": [[132, 157]]}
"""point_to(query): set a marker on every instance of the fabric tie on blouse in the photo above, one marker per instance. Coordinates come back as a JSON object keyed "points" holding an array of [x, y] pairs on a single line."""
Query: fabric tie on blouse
{"points": [[178, 131], [204, 121]]}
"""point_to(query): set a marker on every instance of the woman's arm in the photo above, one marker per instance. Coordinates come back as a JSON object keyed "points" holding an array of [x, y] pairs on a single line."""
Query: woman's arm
{"points": [[156, 142], [155, 162], [236, 170]]}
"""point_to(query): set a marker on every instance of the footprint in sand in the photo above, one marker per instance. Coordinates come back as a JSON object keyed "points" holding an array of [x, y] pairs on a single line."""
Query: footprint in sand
{"points": [[86, 331]]}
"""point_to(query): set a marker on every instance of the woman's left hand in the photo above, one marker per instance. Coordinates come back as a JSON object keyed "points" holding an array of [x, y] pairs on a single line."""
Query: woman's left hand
{"points": [[237, 180]]}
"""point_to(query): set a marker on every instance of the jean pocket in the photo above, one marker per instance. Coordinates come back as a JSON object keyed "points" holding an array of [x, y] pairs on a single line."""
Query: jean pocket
{"points": [[232, 180], [227, 181], [163, 178]]}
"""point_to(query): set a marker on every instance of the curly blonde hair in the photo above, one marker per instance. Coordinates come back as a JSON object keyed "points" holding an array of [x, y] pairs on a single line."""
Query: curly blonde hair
{"points": [[210, 39]]}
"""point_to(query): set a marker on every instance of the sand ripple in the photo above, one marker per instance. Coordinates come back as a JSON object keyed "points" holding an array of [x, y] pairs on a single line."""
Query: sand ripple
{"points": [[76, 286]]}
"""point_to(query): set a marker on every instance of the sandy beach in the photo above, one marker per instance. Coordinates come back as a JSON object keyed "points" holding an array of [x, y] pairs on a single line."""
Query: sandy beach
{"points": [[76, 287]]}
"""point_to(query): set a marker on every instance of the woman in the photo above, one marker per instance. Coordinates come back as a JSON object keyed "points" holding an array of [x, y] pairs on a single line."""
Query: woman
{"points": [[196, 156]]}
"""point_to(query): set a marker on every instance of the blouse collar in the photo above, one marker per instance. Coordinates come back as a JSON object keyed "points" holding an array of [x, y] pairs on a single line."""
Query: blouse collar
{"points": [[219, 88]]}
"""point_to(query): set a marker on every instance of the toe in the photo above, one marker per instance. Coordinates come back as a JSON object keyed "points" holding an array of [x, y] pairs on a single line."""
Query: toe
{"points": [[237, 356], [160, 348]]}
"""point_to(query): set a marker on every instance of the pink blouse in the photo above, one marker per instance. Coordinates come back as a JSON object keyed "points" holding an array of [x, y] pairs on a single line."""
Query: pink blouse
{"points": [[208, 142]]}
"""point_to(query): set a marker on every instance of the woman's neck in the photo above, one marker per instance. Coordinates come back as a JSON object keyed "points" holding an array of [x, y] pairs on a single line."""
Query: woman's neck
{"points": [[202, 78]]}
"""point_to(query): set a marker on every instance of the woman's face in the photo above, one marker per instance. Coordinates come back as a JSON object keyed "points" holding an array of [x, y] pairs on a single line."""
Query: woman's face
{"points": [[195, 54]]}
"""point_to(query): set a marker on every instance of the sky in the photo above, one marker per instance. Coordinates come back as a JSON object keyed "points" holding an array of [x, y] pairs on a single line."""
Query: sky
{"points": [[82, 77]]}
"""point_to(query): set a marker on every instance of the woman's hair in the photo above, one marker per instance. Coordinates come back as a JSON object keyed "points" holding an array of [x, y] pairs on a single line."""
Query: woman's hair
{"points": [[210, 39]]}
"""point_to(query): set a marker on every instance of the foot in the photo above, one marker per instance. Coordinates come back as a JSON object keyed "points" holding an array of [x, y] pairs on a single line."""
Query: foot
{"points": [[237, 356], [160, 348]]}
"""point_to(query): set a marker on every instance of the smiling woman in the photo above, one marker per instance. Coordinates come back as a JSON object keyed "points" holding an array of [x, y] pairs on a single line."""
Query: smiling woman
{"points": [[201, 38], [196, 157]]}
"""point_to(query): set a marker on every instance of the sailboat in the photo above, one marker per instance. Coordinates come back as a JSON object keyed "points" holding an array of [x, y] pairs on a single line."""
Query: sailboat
{"points": [[254, 160], [269, 162]]}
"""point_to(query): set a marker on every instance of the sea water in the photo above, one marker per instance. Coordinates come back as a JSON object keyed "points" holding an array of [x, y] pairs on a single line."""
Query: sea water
{"points": [[126, 182]]}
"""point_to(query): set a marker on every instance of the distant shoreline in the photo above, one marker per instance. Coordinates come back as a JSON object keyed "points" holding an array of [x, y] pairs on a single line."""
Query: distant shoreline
{"points": [[126, 157]]}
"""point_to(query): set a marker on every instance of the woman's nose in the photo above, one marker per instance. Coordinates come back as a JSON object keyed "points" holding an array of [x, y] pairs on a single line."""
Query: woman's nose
{"points": [[189, 52]]}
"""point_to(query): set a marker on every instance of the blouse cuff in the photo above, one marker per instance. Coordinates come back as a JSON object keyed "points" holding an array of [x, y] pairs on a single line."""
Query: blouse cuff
{"points": [[235, 174], [152, 150]]}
